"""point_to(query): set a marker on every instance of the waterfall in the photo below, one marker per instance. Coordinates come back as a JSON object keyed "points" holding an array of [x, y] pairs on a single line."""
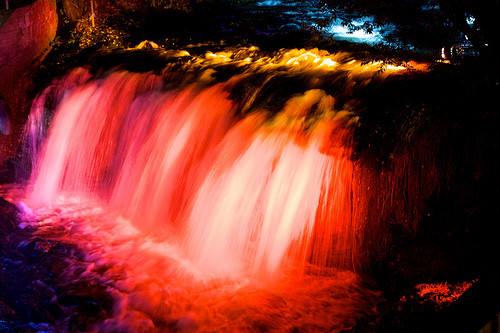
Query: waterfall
{"points": [[241, 194], [231, 179]]}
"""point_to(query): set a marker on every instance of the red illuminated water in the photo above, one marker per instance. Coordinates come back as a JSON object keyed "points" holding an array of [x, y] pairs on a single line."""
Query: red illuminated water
{"points": [[239, 196], [198, 211], [155, 288]]}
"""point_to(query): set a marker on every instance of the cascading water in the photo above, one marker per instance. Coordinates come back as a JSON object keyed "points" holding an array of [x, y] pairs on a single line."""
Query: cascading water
{"points": [[245, 193], [199, 209]]}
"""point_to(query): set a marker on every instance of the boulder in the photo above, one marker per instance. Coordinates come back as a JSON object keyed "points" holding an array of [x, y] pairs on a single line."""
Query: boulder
{"points": [[8, 217], [25, 36]]}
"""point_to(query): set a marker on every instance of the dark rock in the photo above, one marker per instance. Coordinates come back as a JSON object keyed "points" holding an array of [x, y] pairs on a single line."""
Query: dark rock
{"points": [[8, 216], [4, 118]]}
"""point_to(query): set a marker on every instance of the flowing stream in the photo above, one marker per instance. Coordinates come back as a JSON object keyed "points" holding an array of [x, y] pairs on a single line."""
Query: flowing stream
{"points": [[206, 201]]}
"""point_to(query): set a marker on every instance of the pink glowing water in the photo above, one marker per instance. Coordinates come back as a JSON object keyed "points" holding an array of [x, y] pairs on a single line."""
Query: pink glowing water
{"points": [[155, 288], [199, 211], [239, 196], [195, 216]]}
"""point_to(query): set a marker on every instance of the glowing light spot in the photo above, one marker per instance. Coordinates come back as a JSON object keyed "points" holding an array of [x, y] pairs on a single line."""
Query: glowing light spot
{"points": [[395, 68], [183, 53], [327, 63], [470, 20], [147, 44], [298, 60], [359, 35], [444, 293], [220, 57], [269, 3]]}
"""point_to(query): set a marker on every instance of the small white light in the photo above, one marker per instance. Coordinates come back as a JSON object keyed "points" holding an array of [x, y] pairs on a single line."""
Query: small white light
{"points": [[470, 20]]}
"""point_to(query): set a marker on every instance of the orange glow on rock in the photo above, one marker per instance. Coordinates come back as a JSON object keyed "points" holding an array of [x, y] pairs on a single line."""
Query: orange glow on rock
{"points": [[442, 294]]}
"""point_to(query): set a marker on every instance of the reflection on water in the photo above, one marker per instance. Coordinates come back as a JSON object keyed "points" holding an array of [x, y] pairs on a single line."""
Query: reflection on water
{"points": [[155, 288]]}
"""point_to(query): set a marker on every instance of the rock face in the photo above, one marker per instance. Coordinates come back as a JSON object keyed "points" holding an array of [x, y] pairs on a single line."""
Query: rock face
{"points": [[25, 36], [4, 118], [8, 214]]}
